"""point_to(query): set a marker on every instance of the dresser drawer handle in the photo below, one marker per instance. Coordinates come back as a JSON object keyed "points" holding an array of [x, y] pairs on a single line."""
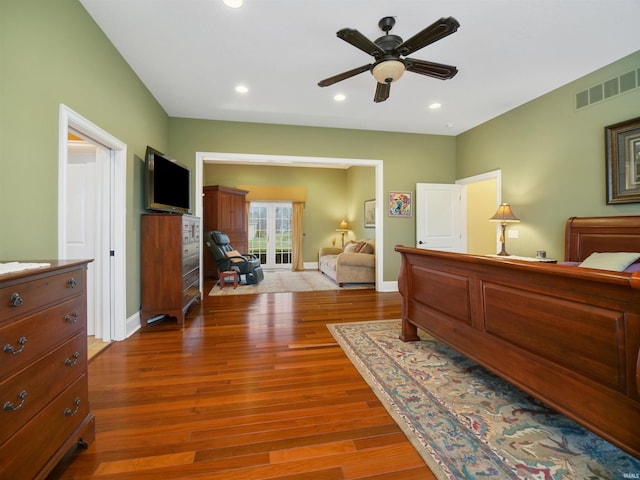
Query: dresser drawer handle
{"points": [[73, 283], [73, 318], [70, 413], [16, 300], [72, 362], [12, 407], [8, 348]]}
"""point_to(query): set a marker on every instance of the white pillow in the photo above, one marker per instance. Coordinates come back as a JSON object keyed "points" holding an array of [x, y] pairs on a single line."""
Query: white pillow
{"points": [[616, 261]]}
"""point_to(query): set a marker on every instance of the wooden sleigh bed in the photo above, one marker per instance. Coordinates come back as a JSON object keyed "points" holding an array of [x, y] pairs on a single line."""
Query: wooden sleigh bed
{"points": [[569, 336]]}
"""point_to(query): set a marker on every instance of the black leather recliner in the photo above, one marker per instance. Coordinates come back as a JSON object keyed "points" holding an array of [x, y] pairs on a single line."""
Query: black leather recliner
{"points": [[247, 265]]}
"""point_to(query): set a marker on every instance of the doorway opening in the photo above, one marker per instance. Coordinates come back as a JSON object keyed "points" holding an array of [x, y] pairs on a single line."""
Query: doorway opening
{"points": [[203, 158]]}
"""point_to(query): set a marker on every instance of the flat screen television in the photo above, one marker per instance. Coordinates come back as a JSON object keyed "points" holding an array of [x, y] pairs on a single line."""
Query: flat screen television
{"points": [[168, 183]]}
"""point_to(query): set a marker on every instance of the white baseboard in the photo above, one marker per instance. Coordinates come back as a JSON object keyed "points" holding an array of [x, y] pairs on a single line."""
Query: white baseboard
{"points": [[388, 286], [133, 324]]}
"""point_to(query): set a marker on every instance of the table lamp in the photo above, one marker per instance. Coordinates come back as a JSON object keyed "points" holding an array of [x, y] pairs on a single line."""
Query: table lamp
{"points": [[343, 228], [504, 215]]}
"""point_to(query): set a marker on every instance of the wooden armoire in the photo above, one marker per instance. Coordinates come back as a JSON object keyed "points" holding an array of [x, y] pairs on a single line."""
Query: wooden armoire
{"points": [[224, 209]]}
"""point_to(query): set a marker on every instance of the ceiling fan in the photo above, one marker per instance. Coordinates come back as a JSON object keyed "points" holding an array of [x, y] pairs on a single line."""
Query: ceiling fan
{"points": [[388, 50]]}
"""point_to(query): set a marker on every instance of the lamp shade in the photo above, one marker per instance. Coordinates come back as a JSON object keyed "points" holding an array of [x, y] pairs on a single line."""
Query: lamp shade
{"points": [[388, 71], [504, 214], [343, 226]]}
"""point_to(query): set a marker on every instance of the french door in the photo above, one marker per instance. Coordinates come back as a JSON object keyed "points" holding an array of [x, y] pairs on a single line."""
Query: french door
{"points": [[270, 233]]}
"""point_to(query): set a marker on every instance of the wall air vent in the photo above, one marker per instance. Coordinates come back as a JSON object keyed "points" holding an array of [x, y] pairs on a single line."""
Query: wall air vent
{"points": [[611, 88]]}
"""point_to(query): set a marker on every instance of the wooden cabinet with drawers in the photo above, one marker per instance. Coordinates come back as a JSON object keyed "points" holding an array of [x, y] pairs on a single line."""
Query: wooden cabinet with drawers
{"points": [[43, 368], [170, 265], [224, 209]]}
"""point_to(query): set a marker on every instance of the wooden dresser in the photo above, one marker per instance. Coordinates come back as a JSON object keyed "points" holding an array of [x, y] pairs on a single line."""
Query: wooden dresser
{"points": [[170, 265], [43, 368], [224, 209]]}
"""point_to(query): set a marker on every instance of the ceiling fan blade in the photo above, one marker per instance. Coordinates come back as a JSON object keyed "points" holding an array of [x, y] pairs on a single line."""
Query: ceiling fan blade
{"points": [[436, 31], [343, 76], [431, 69], [358, 40], [382, 92]]}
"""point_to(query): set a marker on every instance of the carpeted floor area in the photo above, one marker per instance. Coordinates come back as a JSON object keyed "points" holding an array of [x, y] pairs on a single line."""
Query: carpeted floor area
{"points": [[466, 422], [278, 281]]}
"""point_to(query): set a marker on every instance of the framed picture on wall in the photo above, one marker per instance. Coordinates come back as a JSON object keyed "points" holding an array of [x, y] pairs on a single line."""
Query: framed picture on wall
{"points": [[622, 142], [369, 214], [400, 204]]}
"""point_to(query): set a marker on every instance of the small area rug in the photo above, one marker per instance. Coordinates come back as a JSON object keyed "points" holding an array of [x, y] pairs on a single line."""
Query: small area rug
{"points": [[285, 281], [465, 422]]}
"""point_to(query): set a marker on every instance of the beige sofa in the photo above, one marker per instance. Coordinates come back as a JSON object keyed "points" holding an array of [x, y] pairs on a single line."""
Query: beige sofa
{"points": [[356, 263]]}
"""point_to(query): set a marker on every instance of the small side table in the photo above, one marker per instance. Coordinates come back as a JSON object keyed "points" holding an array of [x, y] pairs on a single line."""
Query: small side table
{"points": [[228, 274]]}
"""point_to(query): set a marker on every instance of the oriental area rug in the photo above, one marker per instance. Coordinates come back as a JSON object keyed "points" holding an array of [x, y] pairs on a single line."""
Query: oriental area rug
{"points": [[278, 281], [465, 422]]}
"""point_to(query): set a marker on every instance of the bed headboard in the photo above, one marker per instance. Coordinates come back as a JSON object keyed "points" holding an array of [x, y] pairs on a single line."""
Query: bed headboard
{"points": [[585, 235]]}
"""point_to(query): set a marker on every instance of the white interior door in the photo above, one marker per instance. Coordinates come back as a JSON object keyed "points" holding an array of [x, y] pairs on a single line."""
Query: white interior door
{"points": [[88, 227], [440, 217], [82, 198]]}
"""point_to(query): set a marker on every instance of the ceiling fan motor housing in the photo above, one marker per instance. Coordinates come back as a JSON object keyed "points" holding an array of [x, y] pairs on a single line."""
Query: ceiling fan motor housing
{"points": [[388, 67], [387, 50]]}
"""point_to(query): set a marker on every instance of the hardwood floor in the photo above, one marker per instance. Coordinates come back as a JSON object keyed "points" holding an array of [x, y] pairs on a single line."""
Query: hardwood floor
{"points": [[95, 346], [254, 387]]}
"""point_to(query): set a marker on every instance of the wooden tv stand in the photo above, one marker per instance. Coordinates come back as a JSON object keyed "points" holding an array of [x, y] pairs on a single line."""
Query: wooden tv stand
{"points": [[170, 265]]}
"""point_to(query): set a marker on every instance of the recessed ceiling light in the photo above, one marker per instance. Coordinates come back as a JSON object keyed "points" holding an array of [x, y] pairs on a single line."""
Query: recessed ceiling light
{"points": [[233, 3], [241, 89], [339, 98], [435, 106]]}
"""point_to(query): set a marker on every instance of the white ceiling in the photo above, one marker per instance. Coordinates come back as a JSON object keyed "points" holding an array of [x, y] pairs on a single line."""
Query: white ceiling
{"points": [[192, 53]]}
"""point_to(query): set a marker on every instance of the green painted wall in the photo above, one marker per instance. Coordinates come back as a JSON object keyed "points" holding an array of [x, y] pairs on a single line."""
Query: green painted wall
{"points": [[408, 158], [552, 158], [52, 52], [361, 183]]}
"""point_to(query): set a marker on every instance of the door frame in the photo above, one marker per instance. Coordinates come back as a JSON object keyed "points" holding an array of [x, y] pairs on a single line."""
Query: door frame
{"points": [[256, 159], [113, 294], [494, 174]]}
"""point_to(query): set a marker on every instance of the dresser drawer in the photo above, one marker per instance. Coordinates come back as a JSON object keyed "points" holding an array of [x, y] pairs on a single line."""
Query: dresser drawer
{"points": [[190, 263], [190, 250], [190, 294], [25, 453], [24, 340], [191, 278], [27, 392], [23, 298]]}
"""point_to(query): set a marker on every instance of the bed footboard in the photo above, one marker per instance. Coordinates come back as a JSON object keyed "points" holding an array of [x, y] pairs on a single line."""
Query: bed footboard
{"points": [[568, 336]]}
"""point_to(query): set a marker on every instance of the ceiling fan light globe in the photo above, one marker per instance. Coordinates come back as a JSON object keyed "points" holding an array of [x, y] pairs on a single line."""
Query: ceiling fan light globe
{"points": [[388, 71]]}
